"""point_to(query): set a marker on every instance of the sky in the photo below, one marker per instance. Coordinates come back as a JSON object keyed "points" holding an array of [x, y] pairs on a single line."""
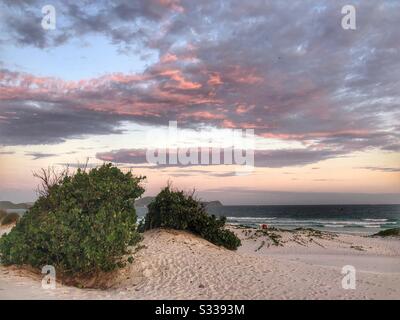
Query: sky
{"points": [[104, 85]]}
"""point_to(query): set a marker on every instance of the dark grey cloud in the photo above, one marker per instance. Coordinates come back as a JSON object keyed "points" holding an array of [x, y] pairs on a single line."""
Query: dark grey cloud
{"points": [[262, 158], [292, 157], [40, 155], [28, 31], [18, 3], [125, 22], [80, 165], [131, 156], [193, 172], [52, 122], [383, 169], [392, 147]]}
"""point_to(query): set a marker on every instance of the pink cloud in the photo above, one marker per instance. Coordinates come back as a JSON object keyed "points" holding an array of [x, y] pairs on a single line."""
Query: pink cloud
{"points": [[168, 57]]}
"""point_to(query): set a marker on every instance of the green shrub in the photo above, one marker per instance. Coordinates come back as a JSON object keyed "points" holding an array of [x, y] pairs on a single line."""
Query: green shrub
{"points": [[176, 210], [82, 224], [10, 218]]}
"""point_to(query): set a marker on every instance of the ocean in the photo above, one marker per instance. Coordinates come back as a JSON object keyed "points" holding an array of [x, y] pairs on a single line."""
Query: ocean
{"points": [[360, 219], [19, 211]]}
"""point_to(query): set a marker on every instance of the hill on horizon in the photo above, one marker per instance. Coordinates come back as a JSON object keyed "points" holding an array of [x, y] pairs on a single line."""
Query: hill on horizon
{"points": [[11, 205]]}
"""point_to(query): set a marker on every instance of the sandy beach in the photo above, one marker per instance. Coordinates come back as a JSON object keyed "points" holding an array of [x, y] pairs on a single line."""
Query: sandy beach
{"points": [[172, 264]]}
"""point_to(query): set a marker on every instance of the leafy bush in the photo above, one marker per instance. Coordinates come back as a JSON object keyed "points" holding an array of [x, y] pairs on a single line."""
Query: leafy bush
{"points": [[10, 218], [81, 224], [176, 210]]}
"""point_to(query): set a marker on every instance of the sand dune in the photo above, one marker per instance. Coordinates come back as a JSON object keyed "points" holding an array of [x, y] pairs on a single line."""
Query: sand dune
{"points": [[179, 265]]}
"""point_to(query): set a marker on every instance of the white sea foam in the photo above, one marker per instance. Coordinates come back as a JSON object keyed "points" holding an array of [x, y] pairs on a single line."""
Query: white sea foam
{"points": [[334, 225], [362, 223], [251, 218]]}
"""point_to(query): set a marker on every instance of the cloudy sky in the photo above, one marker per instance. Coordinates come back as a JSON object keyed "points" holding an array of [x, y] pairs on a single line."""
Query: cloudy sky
{"points": [[323, 101]]}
